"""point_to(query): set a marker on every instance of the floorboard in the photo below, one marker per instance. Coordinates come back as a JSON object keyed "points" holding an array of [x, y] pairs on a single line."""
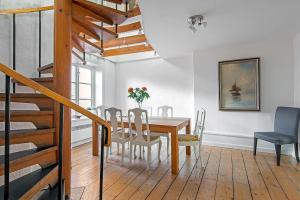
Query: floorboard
{"points": [[226, 174]]}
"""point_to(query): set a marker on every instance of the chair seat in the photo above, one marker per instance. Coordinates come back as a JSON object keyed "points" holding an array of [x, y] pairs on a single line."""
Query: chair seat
{"points": [[160, 134], [275, 138], [187, 138], [152, 138], [119, 135]]}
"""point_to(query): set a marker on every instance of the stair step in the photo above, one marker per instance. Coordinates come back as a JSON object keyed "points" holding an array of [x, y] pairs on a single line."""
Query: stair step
{"points": [[116, 16], [29, 185], [93, 30], [50, 193], [41, 119], [42, 101], [40, 137], [46, 69], [22, 159], [45, 81]]}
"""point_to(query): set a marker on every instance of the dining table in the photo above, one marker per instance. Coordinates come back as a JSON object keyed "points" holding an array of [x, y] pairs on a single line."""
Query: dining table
{"points": [[167, 125]]}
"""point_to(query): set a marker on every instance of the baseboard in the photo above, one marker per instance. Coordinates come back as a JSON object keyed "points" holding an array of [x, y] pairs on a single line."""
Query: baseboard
{"points": [[235, 140], [80, 142]]}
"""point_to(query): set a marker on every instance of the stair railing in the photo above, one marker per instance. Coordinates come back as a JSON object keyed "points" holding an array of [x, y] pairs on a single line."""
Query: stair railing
{"points": [[63, 101], [14, 12]]}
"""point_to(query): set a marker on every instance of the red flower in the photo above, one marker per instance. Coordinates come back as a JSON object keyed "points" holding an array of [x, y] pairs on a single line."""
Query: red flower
{"points": [[144, 88], [130, 90]]}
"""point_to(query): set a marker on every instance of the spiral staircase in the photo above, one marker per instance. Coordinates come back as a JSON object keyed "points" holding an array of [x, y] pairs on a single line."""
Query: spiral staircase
{"points": [[80, 26]]}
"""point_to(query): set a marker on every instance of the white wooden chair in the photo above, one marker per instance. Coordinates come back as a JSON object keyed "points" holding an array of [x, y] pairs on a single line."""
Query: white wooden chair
{"points": [[118, 135], [100, 110], [142, 137], [164, 111], [195, 139]]}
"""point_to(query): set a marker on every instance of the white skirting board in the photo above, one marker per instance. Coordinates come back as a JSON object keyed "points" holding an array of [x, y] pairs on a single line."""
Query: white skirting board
{"points": [[241, 141]]}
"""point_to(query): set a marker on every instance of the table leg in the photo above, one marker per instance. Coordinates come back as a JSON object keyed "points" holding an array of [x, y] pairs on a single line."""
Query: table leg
{"points": [[95, 139], [188, 131], [174, 151]]}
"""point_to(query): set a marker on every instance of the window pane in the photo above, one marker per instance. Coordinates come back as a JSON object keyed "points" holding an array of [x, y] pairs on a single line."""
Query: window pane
{"points": [[73, 73], [84, 75], [85, 103], [85, 91], [73, 91], [98, 88]]}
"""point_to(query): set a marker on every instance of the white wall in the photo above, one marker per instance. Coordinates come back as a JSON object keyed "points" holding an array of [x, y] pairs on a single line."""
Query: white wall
{"points": [[297, 69], [170, 82], [277, 88]]}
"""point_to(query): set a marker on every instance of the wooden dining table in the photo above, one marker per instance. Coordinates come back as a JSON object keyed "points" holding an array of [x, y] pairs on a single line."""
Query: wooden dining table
{"points": [[166, 125]]}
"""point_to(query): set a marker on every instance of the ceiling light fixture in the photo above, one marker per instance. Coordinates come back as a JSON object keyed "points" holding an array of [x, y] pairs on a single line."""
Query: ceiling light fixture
{"points": [[196, 20]]}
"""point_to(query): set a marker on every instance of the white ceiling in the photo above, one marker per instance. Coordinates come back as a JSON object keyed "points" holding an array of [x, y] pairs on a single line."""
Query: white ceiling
{"points": [[229, 22]]}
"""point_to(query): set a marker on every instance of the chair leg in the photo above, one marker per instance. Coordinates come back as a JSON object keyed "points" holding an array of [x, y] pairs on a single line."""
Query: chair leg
{"points": [[148, 157], [123, 151], [200, 157], [107, 150], [278, 152], [159, 148], [168, 144], [118, 149], [195, 151], [134, 151], [130, 154], [255, 146], [296, 152], [141, 151]]}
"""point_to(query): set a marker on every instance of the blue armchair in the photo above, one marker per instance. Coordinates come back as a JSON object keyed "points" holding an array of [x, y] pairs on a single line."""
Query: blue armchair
{"points": [[286, 127]]}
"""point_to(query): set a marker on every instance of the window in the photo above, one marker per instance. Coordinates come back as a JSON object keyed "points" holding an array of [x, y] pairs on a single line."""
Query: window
{"points": [[86, 87]]}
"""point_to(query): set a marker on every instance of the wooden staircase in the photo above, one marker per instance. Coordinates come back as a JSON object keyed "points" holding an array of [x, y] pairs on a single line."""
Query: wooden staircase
{"points": [[94, 28]]}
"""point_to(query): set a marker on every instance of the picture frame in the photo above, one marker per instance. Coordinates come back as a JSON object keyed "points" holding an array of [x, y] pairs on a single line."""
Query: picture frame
{"points": [[239, 85]]}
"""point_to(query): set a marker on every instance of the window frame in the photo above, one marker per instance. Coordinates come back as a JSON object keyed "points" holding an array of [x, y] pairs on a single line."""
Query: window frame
{"points": [[93, 70]]}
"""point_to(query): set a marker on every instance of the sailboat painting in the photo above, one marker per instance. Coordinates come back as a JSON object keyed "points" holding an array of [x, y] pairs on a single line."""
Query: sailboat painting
{"points": [[239, 85]]}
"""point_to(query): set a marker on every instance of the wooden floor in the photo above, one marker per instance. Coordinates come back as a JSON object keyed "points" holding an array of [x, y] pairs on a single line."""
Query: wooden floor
{"points": [[228, 174]]}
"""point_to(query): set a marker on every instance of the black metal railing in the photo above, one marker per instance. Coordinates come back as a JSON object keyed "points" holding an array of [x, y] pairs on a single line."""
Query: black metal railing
{"points": [[7, 144], [14, 49], [7, 137], [60, 152], [104, 141]]}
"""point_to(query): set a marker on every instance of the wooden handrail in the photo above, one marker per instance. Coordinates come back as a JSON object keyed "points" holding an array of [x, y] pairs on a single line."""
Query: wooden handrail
{"points": [[25, 10], [53, 95]]}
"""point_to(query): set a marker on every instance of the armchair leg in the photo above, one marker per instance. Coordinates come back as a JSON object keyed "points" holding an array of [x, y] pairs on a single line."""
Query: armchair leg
{"points": [[278, 152], [254, 146], [296, 152]]}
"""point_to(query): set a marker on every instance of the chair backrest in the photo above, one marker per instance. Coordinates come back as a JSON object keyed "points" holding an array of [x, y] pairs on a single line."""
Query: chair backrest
{"points": [[200, 121], [165, 111], [111, 114], [287, 120], [149, 110], [100, 110], [137, 115]]}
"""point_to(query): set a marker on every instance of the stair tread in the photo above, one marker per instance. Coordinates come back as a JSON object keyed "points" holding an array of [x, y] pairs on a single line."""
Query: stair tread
{"points": [[28, 131], [116, 16], [21, 185], [24, 95], [50, 193], [28, 112], [46, 67], [21, 154], [42, 79]]}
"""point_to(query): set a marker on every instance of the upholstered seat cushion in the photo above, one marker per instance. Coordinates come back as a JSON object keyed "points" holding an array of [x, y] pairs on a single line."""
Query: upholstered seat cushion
{"points": [[152, 138], [276, 138], [187, 138]]}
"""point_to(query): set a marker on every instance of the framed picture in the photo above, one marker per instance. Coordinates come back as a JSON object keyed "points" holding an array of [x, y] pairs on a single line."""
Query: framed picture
{"points": [[239, 85]]}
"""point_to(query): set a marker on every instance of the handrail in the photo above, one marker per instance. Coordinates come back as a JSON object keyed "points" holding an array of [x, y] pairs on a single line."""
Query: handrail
{"points": [[25, 10], [53, 95]]}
